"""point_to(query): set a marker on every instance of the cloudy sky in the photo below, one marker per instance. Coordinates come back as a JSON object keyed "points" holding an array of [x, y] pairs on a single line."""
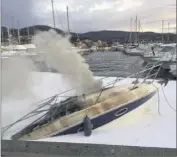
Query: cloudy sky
{"points": [[91, 15]]}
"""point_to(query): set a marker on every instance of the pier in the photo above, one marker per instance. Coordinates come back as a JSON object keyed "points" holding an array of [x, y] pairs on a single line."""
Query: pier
{"points": [[12, 148]]}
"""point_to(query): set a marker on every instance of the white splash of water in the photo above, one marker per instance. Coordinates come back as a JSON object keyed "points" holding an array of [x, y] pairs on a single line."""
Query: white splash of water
{"points": [[16, 80], [60, 56]]}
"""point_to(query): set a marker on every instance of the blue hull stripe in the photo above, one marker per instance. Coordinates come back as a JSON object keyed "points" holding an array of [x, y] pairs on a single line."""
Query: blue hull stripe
{"points": [[109, 116]]}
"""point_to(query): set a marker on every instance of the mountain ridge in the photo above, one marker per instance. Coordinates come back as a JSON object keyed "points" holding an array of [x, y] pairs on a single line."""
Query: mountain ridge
{"points": [[103, 35]]}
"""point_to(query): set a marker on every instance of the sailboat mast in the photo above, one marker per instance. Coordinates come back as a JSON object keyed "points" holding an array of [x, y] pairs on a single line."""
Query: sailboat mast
{"points": [[18, 32], [162, 30], [12, 20], [130, 37], [28, 33], [53, 15], [136, 28], [68, 20], [2, 35], [9, 37], [134, 32], [34, 29], [168, 32], [139, 25]]}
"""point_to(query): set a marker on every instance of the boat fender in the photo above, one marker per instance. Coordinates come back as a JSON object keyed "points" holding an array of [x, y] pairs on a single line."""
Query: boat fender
{"points": [[87, 125]]}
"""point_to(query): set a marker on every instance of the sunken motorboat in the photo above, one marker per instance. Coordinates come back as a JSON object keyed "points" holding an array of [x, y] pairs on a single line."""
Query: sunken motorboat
{"points": [[87, 112]]}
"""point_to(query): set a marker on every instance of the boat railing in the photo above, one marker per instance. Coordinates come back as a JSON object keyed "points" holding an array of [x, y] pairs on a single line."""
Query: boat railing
{"points": [[148, 70], [46, 104], [149, 67]]}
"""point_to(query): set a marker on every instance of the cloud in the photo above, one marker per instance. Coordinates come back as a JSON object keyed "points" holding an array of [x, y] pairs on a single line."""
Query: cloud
{"points": [[17, 12], [86, 15]]}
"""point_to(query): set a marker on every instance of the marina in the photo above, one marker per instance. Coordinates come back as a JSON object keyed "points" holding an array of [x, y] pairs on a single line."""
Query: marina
{"points": [[151, 118], [88, 79], [121, 124]]}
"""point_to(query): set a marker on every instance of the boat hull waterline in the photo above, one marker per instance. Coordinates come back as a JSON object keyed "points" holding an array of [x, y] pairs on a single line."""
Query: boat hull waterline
{"points": [[114, 103], [108, 117]]}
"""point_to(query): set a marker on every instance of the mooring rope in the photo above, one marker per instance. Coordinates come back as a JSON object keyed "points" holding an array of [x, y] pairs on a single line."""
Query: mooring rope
{"points": [[167, 100], [158, 105]]}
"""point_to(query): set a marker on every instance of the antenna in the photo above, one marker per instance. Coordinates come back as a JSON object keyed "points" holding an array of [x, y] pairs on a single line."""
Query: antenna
{"points": [[68, 20], [53, 14]]}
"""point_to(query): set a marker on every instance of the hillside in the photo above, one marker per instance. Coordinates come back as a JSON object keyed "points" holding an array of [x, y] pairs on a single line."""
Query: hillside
{"points": [[32, 30], [105, 35], [121, 36]]}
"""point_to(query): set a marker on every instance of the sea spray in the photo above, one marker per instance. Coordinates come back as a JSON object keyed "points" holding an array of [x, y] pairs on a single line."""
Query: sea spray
{"points": [[60, 55], [16, 78], [18, 83]]}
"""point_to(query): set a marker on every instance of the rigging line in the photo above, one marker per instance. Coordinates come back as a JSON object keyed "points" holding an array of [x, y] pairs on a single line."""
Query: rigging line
{"points": [[158, 98], [141, 29], [24, 117], [60, 21], [39, 102], [158, 102], [127, 38], [118, 79], [5, 128], [167, 100], [138, 76], [71, 24], [155, 21], [51, 108], [32, 115], [157, 72]]}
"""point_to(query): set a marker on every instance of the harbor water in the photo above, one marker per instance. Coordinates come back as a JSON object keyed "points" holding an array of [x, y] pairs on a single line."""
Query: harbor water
{"points": [[106, 63], [113, 63]]}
